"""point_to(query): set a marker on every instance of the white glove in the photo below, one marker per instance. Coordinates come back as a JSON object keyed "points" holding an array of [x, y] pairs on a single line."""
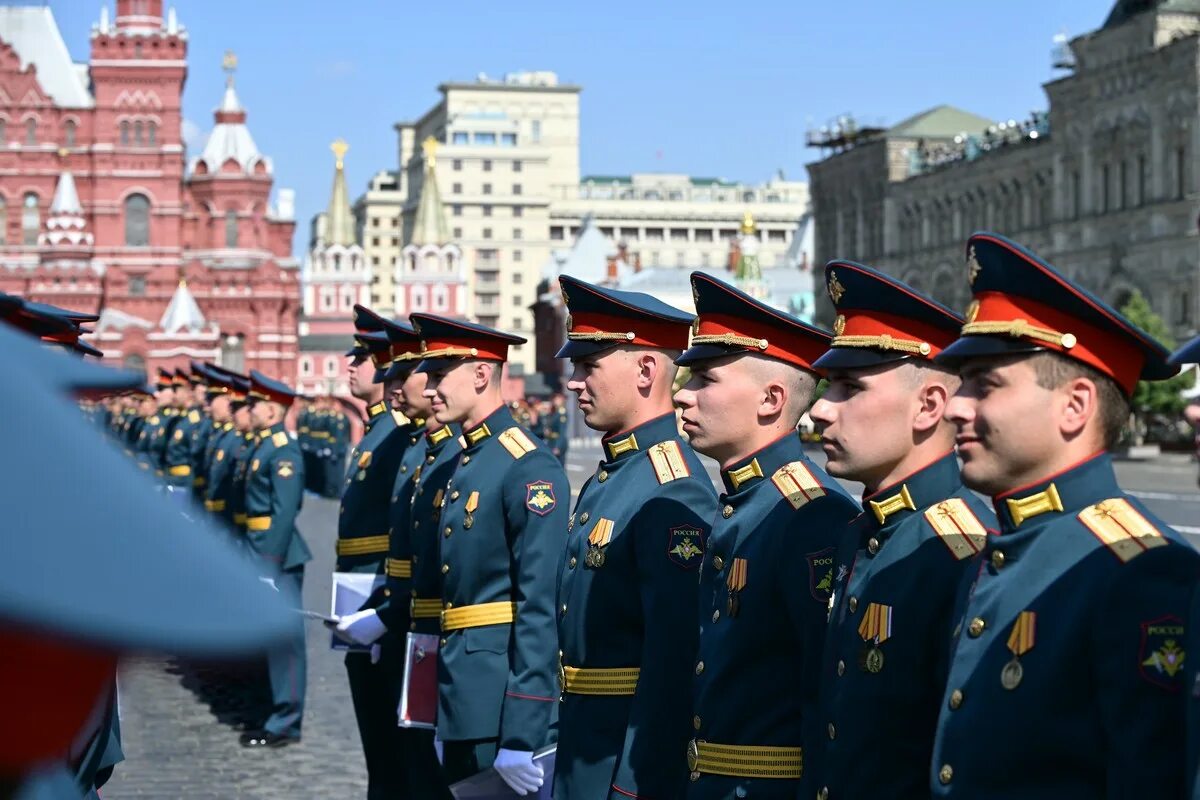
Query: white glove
{"points": [[376, 652], [517, 769], [361, 627]]}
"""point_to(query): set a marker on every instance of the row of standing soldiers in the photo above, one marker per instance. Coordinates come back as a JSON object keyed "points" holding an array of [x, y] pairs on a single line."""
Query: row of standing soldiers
{"points": [[323, 433]]}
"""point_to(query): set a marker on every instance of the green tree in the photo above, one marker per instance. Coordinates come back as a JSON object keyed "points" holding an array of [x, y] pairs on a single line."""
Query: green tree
{"points": [[1152, 398]]}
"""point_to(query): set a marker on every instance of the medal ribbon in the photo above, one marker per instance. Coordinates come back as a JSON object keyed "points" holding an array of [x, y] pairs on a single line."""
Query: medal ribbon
{"points": [[876, 625], [472, 502], [1020, 641], [736, 580], [601, 534]]}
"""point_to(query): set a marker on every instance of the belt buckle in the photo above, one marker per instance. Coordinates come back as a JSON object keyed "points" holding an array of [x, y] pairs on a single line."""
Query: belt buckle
{"points": [[693, 755]]}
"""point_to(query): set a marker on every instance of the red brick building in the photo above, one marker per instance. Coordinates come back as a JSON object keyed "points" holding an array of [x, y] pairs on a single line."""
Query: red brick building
{"points": [[102, 210]]}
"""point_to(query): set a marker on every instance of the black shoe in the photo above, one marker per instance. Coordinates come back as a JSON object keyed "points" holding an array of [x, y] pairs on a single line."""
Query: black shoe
{"points": [[266, 739]]}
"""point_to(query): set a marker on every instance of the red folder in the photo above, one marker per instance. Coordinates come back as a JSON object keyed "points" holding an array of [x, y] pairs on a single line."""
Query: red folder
{"points": [[419, 698]]}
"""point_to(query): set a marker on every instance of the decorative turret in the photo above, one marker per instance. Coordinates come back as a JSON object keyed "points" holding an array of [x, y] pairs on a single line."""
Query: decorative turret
{"points": [[230, 148], [66, 227], [183, 312], [429, 251]]}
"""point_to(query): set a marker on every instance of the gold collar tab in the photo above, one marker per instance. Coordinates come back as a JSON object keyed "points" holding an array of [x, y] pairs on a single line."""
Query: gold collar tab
{"points": [[479, 434], [743, 474], [1027, 507], [377, 409], [440, 435], [897, 502], [619, 446]]}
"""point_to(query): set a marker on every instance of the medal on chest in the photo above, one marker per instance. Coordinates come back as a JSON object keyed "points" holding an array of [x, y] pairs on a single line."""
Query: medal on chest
{"points": [[875, 629], [1020, 642], [735, 582], [469, 510], [598, 540]]}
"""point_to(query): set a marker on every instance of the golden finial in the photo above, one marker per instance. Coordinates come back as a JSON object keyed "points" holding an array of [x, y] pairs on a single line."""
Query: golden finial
{"points": [[229, 64], [63, 152], [748, 224], [339, 148], [429, 147]]}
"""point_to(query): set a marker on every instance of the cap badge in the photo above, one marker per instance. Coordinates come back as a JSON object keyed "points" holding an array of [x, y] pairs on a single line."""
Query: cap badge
{"points": [[973, 266], [839, 325], [836, 290], [972, 311]]}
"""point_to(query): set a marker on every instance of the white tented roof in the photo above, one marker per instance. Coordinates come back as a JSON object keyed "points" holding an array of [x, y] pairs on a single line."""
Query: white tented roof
{"points": [[182, 312], [34, 35], [231, 140]]}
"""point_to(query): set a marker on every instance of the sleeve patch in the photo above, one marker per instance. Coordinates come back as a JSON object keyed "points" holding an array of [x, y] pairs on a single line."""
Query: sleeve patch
{"points": [[1160, 658], [667, 459], [279, 439], [957, 527], [285, 469], [516, 442], [820, 574], [685, 546], [1121, 528], [796, 483], [539, 496]]}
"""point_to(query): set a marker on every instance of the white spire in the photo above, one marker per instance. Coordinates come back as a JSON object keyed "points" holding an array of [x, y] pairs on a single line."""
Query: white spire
{"points": [[182, 312], [230, 102], [104, 25], [172, 21], [66, 225], [66, 199]]}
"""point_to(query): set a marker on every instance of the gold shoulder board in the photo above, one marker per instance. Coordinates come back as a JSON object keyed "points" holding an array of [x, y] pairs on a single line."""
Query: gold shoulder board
{"points": [[667, 459], [401, 420], [797, 484], [279, 439], [193, 416], [1121, 528], [958, 527], [516, 442]]}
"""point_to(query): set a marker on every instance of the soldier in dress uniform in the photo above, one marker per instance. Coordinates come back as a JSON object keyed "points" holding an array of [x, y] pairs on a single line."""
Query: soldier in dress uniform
{"points": [[159, 431], [768, 567], [148, 430], [177, 435], [243, 448], [337, 442], [628, 582], [881, 420], [201, 429], [503, 517], [362, 546], [274, 493], [554, 427], [221, 450], [1066, 666]]}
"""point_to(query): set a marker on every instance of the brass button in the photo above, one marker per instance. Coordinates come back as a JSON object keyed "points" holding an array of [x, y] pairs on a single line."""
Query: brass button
{"points": [[414, 559], [727, 512], [716, 615], [693, 776], [823, 794], [387, 592], [428, 459], [465, 459], [976, 627], [841, 667], [443, 642], [572, 562], [603, 476], [584, 518], [945, 774], [454, 495], [696, 722], [445, 568], [404, 467], [956, 699], [448, 530], [412, 626], [872, 545], [564, 608], [832, 731], [395, 497], [718, 563], [998, 559], [699, 667], [853, 604], [416, 524]]}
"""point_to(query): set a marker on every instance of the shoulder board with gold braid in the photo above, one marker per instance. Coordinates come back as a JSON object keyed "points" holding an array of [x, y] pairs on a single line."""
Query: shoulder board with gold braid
{"points": [[193, 416], [279, 439], [1121, 528], [668, 463], [957, 526], [516, 442], [796, 483]]}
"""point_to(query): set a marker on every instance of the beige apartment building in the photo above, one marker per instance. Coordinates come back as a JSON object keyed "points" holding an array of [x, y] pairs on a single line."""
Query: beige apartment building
{"points": [[1103, 185]]}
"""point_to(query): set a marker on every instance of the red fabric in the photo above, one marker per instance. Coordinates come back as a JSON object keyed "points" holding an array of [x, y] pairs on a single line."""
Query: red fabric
{"points": [[48, 690], [1112, 354], [864, 322], [647, 332], [783, 343], [486, 348]]}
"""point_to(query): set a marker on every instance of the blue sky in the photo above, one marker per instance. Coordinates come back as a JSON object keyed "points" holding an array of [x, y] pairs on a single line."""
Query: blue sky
{"points": [[708, 88]]}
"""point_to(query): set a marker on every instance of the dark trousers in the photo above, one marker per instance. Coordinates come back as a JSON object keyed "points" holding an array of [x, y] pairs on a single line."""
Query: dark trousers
{"points": [[335, 473], [462, 759], [287, 665], [401, 762]]}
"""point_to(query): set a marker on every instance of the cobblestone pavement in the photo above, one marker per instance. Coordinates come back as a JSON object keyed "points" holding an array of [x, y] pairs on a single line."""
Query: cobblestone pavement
{"points": [[181, 720]]}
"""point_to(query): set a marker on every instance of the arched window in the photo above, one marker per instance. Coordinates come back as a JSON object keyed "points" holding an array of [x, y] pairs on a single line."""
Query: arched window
{"points": [[152, 133], [137, 220], [125, 132], [31, 219], [137, 133], [231, 228], [31, 131], [69, 133]]}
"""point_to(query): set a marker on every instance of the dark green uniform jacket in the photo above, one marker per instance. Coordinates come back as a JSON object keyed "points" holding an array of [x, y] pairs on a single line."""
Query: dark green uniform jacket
{"points": [[274, 492], [629, 583]]}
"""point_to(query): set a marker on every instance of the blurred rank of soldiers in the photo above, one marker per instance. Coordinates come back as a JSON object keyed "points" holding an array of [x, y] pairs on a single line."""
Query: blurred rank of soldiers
{"points": [[362, 546], [274, 491], [553, 426], [243, 449], [921, 531], [177, 450], [202, 428], [1066, 667], [765, 582], [223, 446], [158, 431], [411, 599], [337, 442], [503, 516], [628, 582], [146, 430]]}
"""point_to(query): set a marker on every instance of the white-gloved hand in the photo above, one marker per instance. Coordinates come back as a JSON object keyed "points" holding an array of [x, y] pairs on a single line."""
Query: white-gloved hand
{"points": [[361, 627], [517, 769], [376, 652]]}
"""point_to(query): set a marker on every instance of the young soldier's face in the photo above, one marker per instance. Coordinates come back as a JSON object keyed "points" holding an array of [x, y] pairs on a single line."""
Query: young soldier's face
{"points": [[362, 370], [220, 409], [719, 404], [602, 383], [409, 396], [865, 419], [1007, 425], [451, 391], [241, 418]]}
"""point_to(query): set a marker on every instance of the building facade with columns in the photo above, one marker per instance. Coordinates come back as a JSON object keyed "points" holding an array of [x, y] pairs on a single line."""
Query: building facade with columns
{"points": [[1103, 185], [100, 212]]}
